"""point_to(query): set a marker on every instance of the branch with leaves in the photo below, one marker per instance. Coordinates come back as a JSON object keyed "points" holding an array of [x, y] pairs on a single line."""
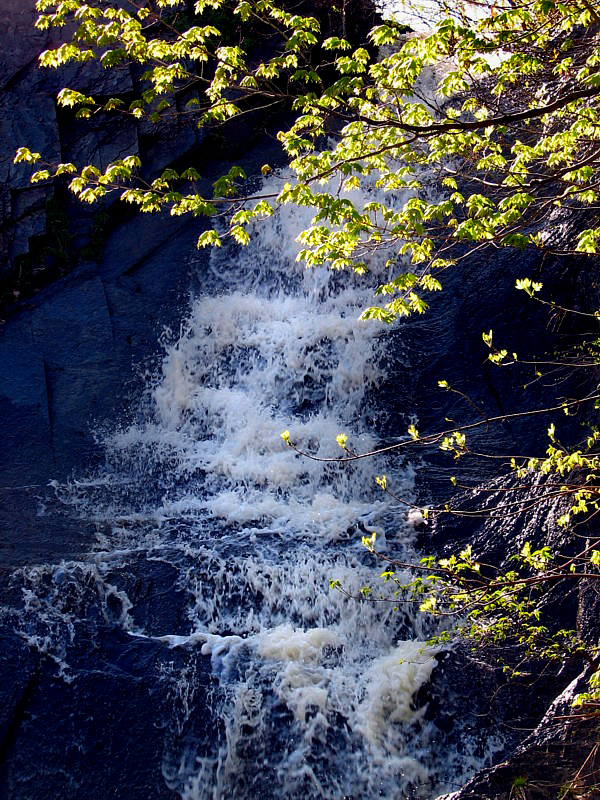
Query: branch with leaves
{"points": [[511, 125]]}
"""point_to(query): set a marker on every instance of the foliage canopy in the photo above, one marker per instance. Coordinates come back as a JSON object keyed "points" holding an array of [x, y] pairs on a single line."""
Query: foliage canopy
{"points": [[499, 99]]}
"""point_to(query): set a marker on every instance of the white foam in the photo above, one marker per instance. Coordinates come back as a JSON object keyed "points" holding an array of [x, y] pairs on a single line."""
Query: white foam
{"points": [[393, 681], [315, 692]]}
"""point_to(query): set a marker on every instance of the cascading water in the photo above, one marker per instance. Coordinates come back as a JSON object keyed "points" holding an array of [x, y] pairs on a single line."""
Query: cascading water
{"points": [[311, 692]]}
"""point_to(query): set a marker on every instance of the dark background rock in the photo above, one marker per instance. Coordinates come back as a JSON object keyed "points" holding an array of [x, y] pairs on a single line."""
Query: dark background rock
{"points": [[99, 735], [491, 707], [446, 344], [561, 755]]}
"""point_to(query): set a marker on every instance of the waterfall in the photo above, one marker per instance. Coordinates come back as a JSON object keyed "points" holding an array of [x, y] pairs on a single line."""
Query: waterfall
{"points": [[310, 690]]}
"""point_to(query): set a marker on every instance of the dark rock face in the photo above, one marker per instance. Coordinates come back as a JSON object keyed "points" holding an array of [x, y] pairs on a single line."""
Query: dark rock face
{"points": [[561, 755], [473, 704], [89, 293], [27, 114], [61, 359], [98, 735], [478, 296], [43, 232]]}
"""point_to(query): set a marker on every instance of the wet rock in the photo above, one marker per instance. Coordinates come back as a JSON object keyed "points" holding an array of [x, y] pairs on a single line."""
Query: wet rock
{"points": [[30, 120], [107, 739], [588, 613], [18, 675], [481, 713], [562, 754], [91, 78], [98, 142], [96, 714], [446, 344], [159, 603], [28, 208]]}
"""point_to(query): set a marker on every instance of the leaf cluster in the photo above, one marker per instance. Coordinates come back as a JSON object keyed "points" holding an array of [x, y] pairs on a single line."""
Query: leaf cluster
{"points": [[511, 127]]}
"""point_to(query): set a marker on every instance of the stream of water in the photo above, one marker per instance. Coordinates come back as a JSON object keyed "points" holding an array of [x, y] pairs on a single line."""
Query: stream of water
{"points": [[311, 692]]}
